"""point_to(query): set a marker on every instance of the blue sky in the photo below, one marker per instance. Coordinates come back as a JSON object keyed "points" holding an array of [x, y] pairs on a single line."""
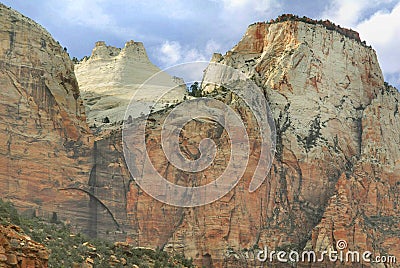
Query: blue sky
{"points": [[175, 31]]}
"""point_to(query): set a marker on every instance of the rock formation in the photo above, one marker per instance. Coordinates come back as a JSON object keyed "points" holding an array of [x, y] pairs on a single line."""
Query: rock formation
{"points": [[110, 77], [45, 144], [335, 119], [19, 250], [336, 170]]}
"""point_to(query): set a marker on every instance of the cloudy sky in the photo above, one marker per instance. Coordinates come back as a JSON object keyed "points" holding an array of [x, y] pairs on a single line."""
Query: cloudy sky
{"points": [[176, 31]]}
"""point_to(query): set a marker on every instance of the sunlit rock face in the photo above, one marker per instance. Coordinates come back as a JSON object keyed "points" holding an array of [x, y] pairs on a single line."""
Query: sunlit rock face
{"points": [[111, 77], [336, 172]]}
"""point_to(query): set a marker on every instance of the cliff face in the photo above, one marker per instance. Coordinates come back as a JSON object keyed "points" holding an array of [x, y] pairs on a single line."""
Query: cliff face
{"points": [[364, 208], [336, 170], [45, 145], [108, 80]]}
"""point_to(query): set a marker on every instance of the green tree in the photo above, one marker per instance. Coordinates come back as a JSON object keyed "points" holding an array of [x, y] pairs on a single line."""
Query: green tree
{"points": [[195, 90]]}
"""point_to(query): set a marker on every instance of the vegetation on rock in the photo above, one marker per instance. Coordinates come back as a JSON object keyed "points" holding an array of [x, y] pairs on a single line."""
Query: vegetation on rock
{"points": [[68, 249], [326, 23]]}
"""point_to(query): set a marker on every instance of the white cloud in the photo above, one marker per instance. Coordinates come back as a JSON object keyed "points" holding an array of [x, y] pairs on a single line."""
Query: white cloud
{"points": [[175, 9], [261, 6], [382, 27], [193, 55], [382, 31], [87, 12], [92, 14], [212, 47], [394, 79], [238, 14], [190, 72], [345, 12], [172, 52], [172, 9], [173, 57], [349, 13]]}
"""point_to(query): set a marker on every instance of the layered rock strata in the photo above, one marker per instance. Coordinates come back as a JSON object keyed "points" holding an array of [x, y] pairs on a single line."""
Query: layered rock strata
{"points": [[45, 144], [336, 171]]}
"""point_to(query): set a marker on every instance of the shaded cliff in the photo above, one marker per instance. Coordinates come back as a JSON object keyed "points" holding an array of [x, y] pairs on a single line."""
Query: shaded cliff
{"points": [[27, 242]]}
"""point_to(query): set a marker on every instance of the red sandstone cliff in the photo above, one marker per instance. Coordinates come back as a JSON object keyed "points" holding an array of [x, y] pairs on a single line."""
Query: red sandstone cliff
{"points": [[335, 118], [45, 144], [335, 170]]}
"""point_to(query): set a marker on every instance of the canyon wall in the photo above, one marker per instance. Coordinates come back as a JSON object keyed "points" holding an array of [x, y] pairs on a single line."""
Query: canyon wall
{"points": [[335, 173], [336, 170], [45, 144]]}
